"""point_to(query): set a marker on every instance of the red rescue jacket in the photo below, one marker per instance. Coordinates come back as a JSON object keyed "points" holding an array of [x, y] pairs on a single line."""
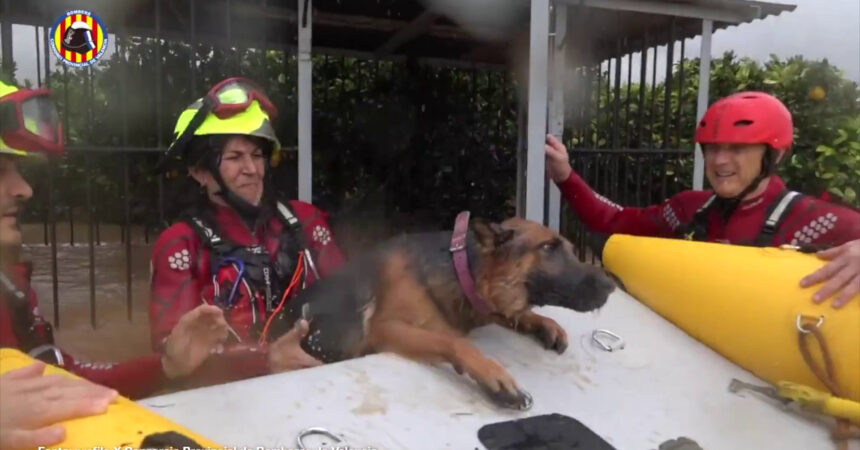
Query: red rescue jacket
{"points": [[810, 221], [182, 278], [22, 327]]}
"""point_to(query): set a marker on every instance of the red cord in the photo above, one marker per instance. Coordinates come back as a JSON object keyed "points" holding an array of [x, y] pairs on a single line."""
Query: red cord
{"points": [[296, 276]]}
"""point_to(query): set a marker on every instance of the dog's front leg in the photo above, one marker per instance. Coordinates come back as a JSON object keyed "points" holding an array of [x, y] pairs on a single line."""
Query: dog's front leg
{"points": [[436, 347], [547, 330]]}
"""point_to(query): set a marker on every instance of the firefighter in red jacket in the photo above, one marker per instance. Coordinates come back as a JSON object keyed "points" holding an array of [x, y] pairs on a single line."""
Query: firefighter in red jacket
{"points": [[744, 137], [32, 403], [237, 245]]}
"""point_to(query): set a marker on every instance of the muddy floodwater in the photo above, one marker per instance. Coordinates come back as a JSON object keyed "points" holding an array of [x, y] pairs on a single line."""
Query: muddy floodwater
{"points": [[114, 338]]}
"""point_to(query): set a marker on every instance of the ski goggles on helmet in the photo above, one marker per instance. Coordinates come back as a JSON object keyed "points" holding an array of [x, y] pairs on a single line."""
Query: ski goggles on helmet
{"points": [[235, 95], [29, 121], [226, 99]]}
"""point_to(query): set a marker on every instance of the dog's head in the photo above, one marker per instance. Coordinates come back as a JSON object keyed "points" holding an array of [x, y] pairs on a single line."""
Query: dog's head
{"points": [[524, 263]]}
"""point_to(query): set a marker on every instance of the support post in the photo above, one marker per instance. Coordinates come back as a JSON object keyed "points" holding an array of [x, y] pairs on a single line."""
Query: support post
{"points": [[538, 65], [702, 104], [556, 109], [6, 59], [522, 141], [305, 107]]}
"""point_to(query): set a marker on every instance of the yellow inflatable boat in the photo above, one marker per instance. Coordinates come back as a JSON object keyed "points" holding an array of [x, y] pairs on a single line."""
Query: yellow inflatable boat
{"points": [[744, 302], [125, 424]]}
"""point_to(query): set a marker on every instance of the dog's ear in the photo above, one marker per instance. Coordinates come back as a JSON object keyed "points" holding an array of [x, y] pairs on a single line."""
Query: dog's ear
{"points": [[491, 234]]}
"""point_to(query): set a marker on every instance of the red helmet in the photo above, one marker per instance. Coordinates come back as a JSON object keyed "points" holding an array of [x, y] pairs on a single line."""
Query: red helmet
{"points": [[747, 118]]}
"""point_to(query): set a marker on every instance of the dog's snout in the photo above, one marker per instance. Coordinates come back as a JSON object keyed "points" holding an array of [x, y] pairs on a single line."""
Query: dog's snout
{"points": [[594, 290], [605, 283], [600, 285]]}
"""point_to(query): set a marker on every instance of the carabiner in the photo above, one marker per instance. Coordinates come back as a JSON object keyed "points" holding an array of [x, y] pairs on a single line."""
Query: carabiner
{"points": [[802, 328], [338, 442], [53, 350], [616, 342]]}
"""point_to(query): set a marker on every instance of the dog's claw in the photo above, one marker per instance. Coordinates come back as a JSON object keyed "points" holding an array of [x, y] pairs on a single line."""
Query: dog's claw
{"points": [[560, 346], [522, 400], [552, 339]]}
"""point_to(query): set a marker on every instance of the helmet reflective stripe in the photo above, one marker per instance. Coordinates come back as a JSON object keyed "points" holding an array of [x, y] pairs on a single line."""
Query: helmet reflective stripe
{"points": [[6, 89], [253, 121], [6, 150]]}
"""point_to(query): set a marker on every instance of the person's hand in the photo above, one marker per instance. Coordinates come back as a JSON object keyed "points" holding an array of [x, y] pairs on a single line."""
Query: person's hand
{"points": [[33, 404], [198, 333], [286, 353], [557, 160], [841, 274]]}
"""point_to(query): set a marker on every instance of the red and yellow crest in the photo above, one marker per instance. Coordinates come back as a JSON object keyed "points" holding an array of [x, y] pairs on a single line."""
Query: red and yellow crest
{"points": [[79, 38]]}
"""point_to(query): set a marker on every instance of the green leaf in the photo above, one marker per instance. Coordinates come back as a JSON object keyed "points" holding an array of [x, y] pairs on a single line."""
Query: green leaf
{"points": [[843, 136]]}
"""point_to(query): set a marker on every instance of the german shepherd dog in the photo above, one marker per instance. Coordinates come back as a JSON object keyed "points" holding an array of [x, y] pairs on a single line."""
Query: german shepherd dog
{"points": [[405, 297]]}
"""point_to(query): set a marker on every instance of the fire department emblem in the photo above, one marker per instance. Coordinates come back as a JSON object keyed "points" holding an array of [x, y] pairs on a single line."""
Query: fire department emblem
{"points": [[79, 38]]}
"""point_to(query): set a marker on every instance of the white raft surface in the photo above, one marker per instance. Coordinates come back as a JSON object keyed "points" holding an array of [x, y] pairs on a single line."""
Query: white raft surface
{"points": [[661, 386]]}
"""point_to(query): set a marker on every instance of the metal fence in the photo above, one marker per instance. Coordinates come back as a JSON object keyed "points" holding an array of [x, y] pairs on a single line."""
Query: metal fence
{"points": [[628, 139], [630, 133]]}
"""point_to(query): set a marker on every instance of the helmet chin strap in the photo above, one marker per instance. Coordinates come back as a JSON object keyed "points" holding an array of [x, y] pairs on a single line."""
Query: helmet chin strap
{"points": [[730, 204], [246, 210]]}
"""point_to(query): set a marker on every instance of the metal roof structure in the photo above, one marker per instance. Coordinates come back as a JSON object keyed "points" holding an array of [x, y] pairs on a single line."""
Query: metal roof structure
{"points": [[559, 34], [427, 29]]}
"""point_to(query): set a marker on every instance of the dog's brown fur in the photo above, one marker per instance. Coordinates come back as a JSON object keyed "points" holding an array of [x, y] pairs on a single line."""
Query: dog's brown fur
{"points": [[414, 305]]}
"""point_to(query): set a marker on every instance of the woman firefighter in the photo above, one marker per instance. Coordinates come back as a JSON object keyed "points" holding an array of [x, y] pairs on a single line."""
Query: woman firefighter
{"points": [[236, 244]]}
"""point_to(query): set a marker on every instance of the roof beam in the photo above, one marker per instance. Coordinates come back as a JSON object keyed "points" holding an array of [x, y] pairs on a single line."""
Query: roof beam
{"points": [[359, 22], [411, 31], [738, 14]]}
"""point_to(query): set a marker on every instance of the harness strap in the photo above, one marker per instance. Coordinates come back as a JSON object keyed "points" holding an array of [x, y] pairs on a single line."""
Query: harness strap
{"points": [[210, 236], [287, 217], [225, 250], [776, 213], [705, 206], [24, 324], [222, 247], [22, 321], [295, 227], [10, 289], [697, 229]]}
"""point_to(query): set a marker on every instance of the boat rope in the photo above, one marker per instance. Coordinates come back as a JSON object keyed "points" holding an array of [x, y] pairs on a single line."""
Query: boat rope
{"points": [[827, 375]]}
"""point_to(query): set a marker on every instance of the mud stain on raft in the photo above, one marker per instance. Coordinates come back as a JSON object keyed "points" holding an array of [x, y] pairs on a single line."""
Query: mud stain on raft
{"points": [[373, 401]]}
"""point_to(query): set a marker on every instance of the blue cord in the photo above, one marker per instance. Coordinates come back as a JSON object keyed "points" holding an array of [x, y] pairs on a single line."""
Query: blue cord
{"points": [[239, 263]]}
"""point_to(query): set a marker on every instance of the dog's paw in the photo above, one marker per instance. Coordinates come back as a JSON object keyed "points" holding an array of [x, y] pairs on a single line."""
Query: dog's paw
{"points": [[552, 335], [520, 400]]}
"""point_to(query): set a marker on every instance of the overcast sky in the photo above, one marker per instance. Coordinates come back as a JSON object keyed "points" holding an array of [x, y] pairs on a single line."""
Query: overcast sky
{"points": [[816, 29]]}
